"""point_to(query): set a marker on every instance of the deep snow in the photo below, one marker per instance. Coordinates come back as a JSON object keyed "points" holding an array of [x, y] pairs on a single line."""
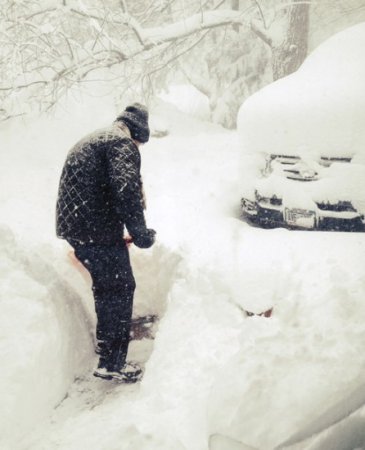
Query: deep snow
{"points": [[316, 111], [212, 374]]}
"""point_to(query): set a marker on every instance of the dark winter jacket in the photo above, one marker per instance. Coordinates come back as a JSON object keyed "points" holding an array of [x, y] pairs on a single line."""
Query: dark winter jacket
{"points": [[101, 190]]}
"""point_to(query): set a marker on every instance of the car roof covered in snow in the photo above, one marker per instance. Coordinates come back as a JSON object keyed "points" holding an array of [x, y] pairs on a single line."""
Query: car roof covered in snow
{"points": [[317, 111]]}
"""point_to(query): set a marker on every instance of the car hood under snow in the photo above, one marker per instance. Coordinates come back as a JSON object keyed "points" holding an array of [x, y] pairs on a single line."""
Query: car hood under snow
{"points": [[317, 111]]}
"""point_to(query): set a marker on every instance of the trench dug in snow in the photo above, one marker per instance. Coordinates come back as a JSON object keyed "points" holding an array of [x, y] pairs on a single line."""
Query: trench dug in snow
{"points": [[48, 327], [294, 358], [211, 371]]}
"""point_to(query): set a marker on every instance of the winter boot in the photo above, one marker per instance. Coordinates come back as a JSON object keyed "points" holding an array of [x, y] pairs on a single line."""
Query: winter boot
{"points": [[129, 373]]}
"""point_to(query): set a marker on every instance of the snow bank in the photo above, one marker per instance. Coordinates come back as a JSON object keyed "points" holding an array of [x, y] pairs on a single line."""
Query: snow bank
{"points": [[318, 110], [259, 379], [45, 332], [348, 434], [351, 429], [292, 367], [155, 271]]}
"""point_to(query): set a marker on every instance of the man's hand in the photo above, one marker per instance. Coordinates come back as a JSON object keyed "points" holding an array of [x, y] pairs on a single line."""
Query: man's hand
{"points": [[145, 238]]}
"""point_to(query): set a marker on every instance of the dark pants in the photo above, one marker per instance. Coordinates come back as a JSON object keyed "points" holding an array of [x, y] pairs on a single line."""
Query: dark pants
{"points": [[113, 288]]}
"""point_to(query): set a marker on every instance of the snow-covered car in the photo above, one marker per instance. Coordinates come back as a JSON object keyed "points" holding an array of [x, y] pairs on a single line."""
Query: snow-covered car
{"points": [[307, 132]]}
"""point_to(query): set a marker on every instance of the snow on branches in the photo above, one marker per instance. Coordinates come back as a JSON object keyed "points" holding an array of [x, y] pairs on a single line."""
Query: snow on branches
{"points": [[47, 50]]}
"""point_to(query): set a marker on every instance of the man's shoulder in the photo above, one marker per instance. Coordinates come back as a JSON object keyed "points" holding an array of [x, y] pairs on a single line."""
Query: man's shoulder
{"points": [[102, 137], [121, 141], [105, 135]]}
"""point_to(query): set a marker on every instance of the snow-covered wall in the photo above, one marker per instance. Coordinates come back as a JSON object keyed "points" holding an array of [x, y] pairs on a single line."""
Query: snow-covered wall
{"points": [[45, 337]]}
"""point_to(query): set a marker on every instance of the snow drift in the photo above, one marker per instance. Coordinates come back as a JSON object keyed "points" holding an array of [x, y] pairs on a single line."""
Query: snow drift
{"points": [[45, 332], [318, 110], [316, 114]]}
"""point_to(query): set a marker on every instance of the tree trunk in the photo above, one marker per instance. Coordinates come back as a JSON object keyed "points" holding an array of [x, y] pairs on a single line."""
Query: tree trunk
{"points": [[289, 55], [236, 6]]}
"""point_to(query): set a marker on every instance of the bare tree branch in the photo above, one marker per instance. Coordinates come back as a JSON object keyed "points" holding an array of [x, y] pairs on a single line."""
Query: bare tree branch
{"points": [[261, 13], [28, 17], [22, 86], [124, 6], [127, 20], [178, 55], [193, 24], [261, 33]]}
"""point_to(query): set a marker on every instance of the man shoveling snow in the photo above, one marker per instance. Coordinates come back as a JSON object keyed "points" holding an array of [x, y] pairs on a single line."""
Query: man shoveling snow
{"points": [[100, 192]]}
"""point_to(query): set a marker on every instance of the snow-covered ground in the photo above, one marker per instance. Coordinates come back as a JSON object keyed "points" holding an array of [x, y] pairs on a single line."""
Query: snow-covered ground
{"points": [[214, 378]]}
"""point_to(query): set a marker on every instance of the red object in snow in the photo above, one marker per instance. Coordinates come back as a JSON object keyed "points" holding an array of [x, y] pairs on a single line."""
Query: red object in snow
{"points": [[267, 313], [78, 265]]}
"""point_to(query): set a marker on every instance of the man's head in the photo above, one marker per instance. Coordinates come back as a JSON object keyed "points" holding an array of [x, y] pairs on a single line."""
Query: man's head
{"points": [[135, 116]]}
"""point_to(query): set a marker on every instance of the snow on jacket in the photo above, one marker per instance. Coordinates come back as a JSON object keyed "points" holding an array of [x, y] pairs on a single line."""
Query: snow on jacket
{"points": [[100, 190]]}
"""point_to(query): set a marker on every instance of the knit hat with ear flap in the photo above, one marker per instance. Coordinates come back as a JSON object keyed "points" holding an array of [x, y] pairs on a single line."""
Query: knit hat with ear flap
{"points": [[135, 116]]}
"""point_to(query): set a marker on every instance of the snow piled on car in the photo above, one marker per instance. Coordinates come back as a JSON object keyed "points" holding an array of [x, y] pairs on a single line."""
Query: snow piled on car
{"points": [[317, 111]]}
